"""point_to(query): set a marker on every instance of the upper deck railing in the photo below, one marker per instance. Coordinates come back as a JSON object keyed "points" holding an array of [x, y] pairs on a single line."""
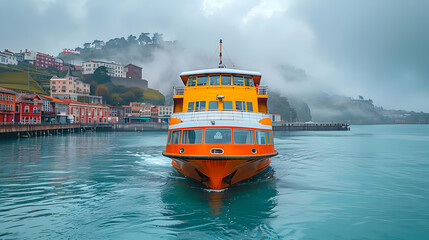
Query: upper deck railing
{"points": [[261, 90], [220, 115]]}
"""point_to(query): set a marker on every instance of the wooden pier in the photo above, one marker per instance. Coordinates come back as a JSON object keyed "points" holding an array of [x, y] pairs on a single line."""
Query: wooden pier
{"points": [[33, 130], [311, 127]]}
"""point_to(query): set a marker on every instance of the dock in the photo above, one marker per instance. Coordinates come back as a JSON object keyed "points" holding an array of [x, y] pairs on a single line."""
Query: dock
{"points": [[299, 126]]}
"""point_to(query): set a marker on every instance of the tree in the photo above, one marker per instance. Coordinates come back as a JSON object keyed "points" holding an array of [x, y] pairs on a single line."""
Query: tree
{"points": [[115, 99], [132, 40], [102, 90], [360, 98], [157, 38], [144, 38], [100, 75], [87, 45]]}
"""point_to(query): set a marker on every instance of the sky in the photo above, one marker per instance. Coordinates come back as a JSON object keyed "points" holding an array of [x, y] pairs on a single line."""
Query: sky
{"points": [[377, 49]]}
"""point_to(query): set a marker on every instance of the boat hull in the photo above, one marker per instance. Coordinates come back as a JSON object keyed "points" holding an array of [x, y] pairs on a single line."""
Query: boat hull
{"points": [[219, 174]]}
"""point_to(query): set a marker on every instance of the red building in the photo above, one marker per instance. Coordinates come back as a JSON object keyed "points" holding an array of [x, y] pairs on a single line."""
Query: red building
{"points": [[7, 105], [44, 60], [133, 71], [29, 108], [87, 112]]}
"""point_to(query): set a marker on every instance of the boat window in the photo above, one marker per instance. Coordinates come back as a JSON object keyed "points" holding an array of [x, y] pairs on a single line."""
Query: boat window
{"points": [[217, 136], [191, 81], [214, 80], [226, 79], [260, 137], [244, 136], [238, 80], [268, 137], [272, 137], [169, 137], [227, 105], [193, 136], [248, 81], [200, 106], [202, 80], [213, 105], [175, 137], [249, 107], [239, 106], [190, 106]]}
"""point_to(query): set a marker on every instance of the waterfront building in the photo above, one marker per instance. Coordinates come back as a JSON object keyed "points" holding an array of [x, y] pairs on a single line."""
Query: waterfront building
{"points": [[78, 112], [28, 108], [7, 105], [163, 113], [113, 69], [7, 57], [48, 109], [133, 71], [69, 87]]}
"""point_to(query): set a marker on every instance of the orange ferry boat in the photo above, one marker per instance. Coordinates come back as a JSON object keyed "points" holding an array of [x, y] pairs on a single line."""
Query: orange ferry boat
{"points": [[220, 132]]}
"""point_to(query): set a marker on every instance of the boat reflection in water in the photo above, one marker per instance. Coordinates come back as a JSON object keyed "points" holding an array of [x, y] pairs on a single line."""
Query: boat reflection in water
{"points": [[199, 211]]}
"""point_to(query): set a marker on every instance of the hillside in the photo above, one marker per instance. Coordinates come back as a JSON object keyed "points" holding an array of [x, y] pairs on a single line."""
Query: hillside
{"points": [[19, 81]]}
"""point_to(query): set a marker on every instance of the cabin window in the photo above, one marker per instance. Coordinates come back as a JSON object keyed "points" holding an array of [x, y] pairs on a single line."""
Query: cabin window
{"points": [[175, 137], [214, 80], [192, 81], [200, 106], [248, 81], [190, 106], [168, 138], [217, 136], [213, 105], [244, 136], [239, 106], [260, 137], [249, 107], [194, 136], [202, 80], [238, 80], [227, 105], [226, 79], [268, 137]]}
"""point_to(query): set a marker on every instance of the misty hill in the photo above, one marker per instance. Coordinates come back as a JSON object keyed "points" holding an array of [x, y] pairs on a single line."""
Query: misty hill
{"points": [[290, 109]]}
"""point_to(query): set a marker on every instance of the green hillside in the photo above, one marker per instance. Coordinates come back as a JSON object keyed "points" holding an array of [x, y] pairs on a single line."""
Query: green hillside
{"points": [[19, 81]]}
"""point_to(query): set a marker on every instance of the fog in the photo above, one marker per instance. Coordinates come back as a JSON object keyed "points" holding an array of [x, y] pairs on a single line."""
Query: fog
{"points": [[377, 49]]}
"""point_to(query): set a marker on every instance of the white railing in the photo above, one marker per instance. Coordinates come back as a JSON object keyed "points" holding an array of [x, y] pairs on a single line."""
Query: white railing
{"points": [[179, 90], [220, 115], [261, 90]]}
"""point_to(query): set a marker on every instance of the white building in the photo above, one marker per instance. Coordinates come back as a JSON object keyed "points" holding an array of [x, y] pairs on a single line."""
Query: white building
{"points": [[7, 57], [113, 69]]}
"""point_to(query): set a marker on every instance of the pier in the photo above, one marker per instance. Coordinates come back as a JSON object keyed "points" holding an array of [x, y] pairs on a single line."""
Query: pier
{"points": [[33, 130], [311, 126]]}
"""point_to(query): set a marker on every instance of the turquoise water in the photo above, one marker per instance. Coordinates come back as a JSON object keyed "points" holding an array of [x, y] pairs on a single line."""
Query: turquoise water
{"points": [[369, 183]]}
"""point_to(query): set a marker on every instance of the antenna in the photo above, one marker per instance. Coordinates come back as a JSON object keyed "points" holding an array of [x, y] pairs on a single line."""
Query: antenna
{"points": [[220, 54]]}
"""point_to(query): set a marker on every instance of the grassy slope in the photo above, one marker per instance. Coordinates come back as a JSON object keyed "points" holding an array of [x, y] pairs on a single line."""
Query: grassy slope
{"points": [[18, 81]]}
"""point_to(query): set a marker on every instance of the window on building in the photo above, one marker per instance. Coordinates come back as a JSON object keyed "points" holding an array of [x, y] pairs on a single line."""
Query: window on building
{"points": [[249, 107], [217, 136], [248, 81], [260, 137], [227, 105], [175, 137], [238, 80], [190, 106], [191, 81], [26, 109], [226, 79], [213, 105], [214, 80], [244, 136], [194, 136], [202, 80], [239, 106]]}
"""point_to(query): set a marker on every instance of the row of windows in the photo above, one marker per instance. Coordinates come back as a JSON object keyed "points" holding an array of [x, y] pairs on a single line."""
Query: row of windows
{"points": [[220, 136], [6, 97], [214, 105], [35, 109], [6, 107], [220, 80]]}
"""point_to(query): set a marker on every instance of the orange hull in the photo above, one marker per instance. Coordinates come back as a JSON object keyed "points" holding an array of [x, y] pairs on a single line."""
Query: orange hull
{"points": [[218, 174]]}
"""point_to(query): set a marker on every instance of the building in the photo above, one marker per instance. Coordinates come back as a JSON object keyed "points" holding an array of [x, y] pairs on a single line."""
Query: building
{"points": [[28, 108], [69, 87], [27, 56], [133, 71], [7, 57], [59, 64], [113, 69], [78, 112], [48, 109], [162, 113], [44, 60], [68, 51], [276, 118], [7, 105]]}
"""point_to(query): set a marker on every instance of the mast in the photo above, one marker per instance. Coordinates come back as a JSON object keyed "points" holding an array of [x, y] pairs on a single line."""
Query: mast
{"points": [[220, 54]]}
